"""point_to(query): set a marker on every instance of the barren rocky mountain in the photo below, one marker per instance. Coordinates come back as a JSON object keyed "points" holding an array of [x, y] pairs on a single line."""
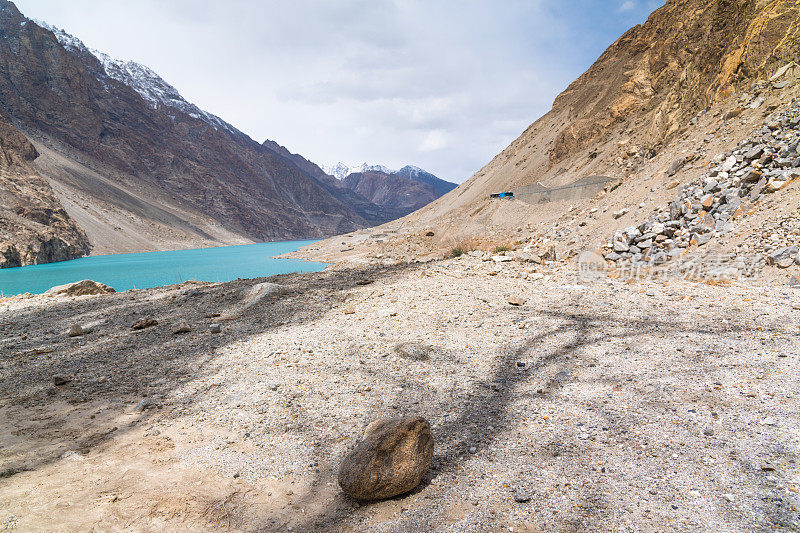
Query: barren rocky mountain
{"points": [[392, 190], [141, 168], [34, 227], [396, 192], [689, 84], [440, 186]]}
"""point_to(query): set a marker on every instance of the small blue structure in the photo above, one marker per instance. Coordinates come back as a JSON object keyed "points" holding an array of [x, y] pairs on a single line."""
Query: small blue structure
{"points": [[502, 195]]}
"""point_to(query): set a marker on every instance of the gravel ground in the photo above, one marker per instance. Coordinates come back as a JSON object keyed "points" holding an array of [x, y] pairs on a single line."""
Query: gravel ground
{"points": [[607, 405]]}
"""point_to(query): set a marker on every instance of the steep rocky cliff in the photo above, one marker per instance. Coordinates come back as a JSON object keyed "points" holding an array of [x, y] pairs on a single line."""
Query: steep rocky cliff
{"points": [[34, 228], [688, 55]]}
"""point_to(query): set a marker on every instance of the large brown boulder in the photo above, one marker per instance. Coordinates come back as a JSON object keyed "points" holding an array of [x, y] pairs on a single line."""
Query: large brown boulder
{"points": [[392, 458]]}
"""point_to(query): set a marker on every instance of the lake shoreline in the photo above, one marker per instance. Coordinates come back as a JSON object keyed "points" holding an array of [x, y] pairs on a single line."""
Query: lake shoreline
{"points": [[155, 269]]}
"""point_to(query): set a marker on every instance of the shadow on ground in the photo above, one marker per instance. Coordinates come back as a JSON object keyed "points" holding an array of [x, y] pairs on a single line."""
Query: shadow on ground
{"points": [[117, 367], [555, 355], [113, 368]]}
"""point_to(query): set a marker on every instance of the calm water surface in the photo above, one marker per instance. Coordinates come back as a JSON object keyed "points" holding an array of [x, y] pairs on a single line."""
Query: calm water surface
{"points": [[156, 269]]}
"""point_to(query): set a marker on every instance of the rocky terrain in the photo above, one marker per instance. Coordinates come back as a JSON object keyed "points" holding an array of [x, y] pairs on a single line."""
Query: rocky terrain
{"points": [[665, 88], [34, 227], [650, 181], [707, 208], [620, 360], [556, 403]]}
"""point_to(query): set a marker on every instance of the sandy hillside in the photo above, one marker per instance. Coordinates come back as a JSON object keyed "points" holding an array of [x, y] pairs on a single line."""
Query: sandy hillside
{"points": [[682, 83], [121, 214]]}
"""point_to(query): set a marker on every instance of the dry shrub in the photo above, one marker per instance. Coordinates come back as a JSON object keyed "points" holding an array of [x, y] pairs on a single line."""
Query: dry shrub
{"points": [[460, 245]]}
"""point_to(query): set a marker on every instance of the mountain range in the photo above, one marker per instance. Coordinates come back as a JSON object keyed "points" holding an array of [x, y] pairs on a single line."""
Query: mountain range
{"points": [[136, 167], [401, 191]]}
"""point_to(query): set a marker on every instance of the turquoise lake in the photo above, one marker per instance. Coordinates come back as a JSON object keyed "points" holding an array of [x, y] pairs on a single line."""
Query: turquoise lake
{"points": [[156, 269]]}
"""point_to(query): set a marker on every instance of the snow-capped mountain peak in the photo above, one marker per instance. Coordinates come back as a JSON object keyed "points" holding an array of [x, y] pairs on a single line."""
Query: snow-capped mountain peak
{"points": [[338, 171], [374, 168], [150, 86], [66, 40], [341, 170]]}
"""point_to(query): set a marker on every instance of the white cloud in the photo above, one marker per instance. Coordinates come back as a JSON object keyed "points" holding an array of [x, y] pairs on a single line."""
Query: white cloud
{"points": [[434, 140], [627, 5]]}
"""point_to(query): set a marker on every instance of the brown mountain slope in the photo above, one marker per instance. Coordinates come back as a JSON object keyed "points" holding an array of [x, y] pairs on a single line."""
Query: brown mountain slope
{"points": [[626, 118], [196, 166], [34, 228], [391, 191], [640, 93], [688, 55]]}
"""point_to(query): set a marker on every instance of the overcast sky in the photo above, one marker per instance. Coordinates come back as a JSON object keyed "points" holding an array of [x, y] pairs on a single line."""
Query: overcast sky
{"points": [[444, 85]]}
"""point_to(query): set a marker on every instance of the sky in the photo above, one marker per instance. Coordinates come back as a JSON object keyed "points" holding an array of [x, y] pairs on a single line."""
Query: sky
{"points": [[441, 84]]}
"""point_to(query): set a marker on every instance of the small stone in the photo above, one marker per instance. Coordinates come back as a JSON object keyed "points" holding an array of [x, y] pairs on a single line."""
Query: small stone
{"points": [[520, 496], [183, 328], [76, 331], [708, 432], [729, 497], [755, 153], [392, 458], [781, 254], [215, 328], [59, 381], [520, 364], [349, 311], [751, 176], [767, 467], [144, 405], [769, 421], [414, 351], [676, 165], [620, 246], [755, 104], [729, 163], [699, 239], [102, 379], [429, 234], [145, 323], [516, 301]]}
